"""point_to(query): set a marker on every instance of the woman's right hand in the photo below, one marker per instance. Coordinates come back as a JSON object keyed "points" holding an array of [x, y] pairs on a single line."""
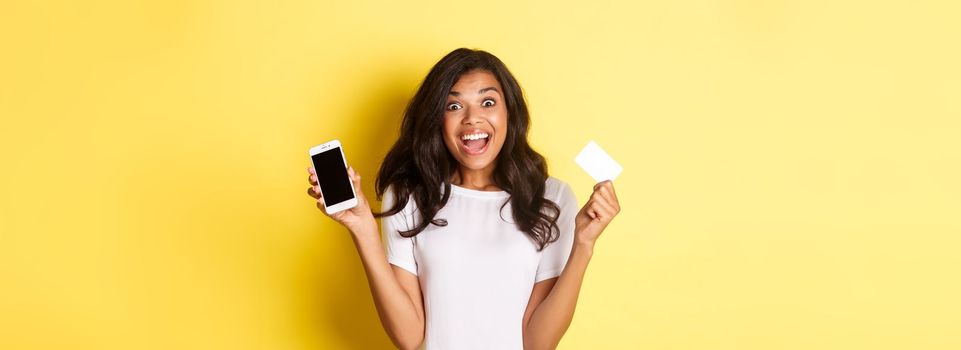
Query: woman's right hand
{"points": [[359, 220]]}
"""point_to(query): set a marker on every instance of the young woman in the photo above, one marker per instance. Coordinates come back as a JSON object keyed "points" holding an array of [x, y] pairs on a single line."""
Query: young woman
{"points": [[484, 249]]}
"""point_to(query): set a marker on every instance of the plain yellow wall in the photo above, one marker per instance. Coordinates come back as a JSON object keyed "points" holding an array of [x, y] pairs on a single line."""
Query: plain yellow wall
{"points": [[791, 167]]}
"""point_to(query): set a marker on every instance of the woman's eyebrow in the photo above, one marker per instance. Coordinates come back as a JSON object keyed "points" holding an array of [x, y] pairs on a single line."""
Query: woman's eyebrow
{"points": [[481, 91]]}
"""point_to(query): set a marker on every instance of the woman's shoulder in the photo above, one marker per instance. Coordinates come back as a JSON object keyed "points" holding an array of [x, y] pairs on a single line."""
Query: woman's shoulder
{"points": [[390, 197], [555, 188]]}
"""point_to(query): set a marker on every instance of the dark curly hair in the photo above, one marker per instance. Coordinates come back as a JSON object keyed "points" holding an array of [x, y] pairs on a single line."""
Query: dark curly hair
{"points": [[419, 163]]}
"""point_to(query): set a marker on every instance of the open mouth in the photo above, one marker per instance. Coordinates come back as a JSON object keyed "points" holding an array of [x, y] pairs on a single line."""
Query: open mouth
{"points": [[475, 142]]}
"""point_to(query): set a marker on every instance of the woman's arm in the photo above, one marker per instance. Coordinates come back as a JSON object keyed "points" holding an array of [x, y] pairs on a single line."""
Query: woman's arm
{"points": [[396, 291], [551, 309], [547, 320]]}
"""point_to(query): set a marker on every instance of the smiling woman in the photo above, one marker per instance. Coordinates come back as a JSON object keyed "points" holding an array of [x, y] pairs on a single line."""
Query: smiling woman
{"points": [[469, 122], [467, 93], [484, 249]]}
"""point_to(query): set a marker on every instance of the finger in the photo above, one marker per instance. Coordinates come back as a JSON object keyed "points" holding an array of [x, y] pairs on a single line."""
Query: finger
{"points": [[605, 193], [596, 215], [322, 207], [355, 178], [606, 209], [601, 215], [587, 210], [312, 179], [606, 186], [611, 186], [311, 170], [314, 191], [599, 184]]}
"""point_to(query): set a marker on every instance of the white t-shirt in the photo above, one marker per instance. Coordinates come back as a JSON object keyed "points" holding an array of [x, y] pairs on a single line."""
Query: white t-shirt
{"points": [[477, 273]]}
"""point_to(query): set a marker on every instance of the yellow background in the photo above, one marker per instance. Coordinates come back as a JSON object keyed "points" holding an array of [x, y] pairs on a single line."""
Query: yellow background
{"points": [[791, 167]]}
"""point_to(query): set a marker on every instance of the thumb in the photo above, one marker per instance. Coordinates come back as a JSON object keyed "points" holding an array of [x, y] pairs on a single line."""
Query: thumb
{"points": [[355, 178]]}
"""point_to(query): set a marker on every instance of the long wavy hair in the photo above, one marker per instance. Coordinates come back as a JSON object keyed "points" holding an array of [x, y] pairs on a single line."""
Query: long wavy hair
{"points": [[419, 163]]}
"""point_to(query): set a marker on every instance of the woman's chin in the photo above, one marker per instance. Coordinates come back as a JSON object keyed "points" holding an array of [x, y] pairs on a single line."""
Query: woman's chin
{"points": [[475, 162]]}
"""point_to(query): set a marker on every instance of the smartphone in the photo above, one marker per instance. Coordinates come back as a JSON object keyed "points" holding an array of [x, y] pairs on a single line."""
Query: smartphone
{"points": [[335, 185]]}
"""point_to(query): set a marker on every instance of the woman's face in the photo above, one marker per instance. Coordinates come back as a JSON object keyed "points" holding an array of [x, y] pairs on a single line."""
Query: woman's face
{"points": [[475, 120]]}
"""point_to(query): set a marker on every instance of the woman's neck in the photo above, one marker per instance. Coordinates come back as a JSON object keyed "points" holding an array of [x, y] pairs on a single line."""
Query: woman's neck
{"points": [[481, 179]]}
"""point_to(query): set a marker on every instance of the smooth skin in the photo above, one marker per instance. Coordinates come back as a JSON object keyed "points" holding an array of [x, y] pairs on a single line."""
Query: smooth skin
{"points": [[475, 103]]}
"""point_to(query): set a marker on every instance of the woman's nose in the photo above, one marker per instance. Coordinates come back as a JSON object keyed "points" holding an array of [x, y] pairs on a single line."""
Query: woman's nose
{"points": [[474, 115]]}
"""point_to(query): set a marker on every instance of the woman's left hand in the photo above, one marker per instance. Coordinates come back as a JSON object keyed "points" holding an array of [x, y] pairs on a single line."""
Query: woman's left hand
{"points": [[599, 210]]}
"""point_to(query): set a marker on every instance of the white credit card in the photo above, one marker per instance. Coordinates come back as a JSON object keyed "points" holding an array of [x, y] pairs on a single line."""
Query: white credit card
{"points": [[598, 163]]}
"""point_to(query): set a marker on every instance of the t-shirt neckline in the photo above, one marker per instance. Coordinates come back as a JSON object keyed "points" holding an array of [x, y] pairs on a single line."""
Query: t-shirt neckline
{"points": [[477, 193]]}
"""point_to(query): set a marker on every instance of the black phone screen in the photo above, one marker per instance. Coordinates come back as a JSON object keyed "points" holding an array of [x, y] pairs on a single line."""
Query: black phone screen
{"points": [[332, 176]]}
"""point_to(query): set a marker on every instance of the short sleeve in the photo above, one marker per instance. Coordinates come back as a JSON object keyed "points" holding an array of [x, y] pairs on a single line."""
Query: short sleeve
{"points": [[400, 250], [554, 256]]}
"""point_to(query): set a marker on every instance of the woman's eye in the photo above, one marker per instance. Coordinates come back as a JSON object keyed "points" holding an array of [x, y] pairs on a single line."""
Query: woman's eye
{"points": [[487, 103], [453, 107]]}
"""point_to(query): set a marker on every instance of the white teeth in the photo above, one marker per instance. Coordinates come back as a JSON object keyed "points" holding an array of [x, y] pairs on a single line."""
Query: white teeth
{"points": [[482, 135]]}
